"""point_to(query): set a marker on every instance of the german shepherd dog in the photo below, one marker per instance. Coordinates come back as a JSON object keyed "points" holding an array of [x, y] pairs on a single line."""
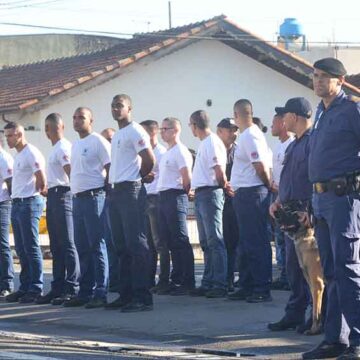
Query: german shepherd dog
{"points": [[309, 259]]}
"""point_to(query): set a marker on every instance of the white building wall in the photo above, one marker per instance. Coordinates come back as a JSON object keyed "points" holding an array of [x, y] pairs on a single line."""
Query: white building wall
{"points": [[180, 83]]}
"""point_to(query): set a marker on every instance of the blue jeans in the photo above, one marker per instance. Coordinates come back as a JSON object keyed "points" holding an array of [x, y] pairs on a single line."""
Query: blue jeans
{"points": [[88, 214], [209, 204], [251, 206], [6, 261], [337, 232], [114, 262], [59, 218], [25, 217], [156, 245], [173, 208], [127, 214]]}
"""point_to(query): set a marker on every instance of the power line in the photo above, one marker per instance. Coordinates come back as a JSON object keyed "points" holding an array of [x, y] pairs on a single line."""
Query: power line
{"points": [[244, 38], [11, 6]]}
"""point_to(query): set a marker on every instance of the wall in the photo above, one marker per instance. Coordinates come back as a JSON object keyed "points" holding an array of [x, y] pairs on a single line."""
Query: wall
{"points": [[180, 83]]}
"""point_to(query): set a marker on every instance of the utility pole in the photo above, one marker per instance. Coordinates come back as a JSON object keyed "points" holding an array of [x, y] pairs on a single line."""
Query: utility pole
{"points": [[169, 6]]}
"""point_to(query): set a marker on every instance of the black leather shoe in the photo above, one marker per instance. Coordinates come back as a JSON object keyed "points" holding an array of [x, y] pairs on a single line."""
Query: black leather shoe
{"points": [[29, 298], [324, 351], [116, 304], [136, 306], [216, 293], [45, 299], [283, 324], [258, 298], [59, 300], [75, 301], [199, 291], [239, 295], [15, 296], [95, 303], [180, 290], [351, 353]]}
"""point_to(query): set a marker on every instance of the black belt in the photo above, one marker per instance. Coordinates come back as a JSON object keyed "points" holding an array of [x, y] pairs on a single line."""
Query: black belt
{"points": [[340, 186], [202, 188], [17, 200], [123, 184], [91, 192], [59, 189]]}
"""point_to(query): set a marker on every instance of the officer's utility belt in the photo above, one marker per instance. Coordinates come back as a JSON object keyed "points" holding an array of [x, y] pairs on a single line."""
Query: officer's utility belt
{"points": [[59, 189], [123, 185], [341, 185], [202, 188], [88, 193]]}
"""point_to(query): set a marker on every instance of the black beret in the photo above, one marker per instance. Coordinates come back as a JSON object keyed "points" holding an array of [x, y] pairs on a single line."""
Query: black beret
{"points": [[331, 65]]}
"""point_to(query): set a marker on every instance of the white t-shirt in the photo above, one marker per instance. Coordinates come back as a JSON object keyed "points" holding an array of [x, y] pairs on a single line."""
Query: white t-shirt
{"points": [[59, 157], [251, 147], [172, 161], [26, 163], [211, 152], [6, 172], [278, 158], [88, 158], [159, 150], [126, 144]]}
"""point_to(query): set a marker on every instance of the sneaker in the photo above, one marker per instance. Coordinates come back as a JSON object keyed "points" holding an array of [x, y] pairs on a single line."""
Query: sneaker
{"points": [[258, 298], [166, 289], [4, 294], [61, 299], [216, 293], [241, 294], [351, 353], [116, 304], [75, 301], [136, 306], [324, 351], [29, 298], [96, 303], [284, 324], [199, 291], [45, 299], [15, 296]]}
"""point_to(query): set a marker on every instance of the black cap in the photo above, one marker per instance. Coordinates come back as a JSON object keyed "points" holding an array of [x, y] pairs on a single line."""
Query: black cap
{"points": [[331, 65], [227, 123], [299, 106]]}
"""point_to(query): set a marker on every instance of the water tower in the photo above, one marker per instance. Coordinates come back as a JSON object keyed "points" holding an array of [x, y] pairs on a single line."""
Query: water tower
{"points": [[291, 36]]}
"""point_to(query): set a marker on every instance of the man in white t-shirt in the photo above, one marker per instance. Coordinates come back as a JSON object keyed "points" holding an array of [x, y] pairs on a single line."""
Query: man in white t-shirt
{"points": [[28, 183], [132, 159], [90, 162], [173, 186], [157, 247], [6, 260], [250, 181], [209, 181], [279, 130], [59, 217]]}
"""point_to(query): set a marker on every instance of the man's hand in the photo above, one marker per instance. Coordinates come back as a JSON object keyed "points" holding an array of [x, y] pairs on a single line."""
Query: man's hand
{"points": [[149, 178], [191, 195], [274, 188], [273, 208], [229, 190]]}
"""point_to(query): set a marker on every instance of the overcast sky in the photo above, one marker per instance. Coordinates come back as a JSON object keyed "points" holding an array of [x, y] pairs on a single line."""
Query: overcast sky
{"points": [[322, 20]]}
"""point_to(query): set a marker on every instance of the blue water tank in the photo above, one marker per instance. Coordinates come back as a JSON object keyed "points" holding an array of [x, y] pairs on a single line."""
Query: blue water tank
{"points": [[291, 28]]}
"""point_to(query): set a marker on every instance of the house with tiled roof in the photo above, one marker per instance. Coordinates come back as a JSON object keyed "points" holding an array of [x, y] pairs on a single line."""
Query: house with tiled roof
{"points": [[206, 65]]}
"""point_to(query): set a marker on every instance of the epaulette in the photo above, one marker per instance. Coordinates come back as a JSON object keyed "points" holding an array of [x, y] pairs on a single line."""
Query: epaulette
{"points": [[353, 98]]}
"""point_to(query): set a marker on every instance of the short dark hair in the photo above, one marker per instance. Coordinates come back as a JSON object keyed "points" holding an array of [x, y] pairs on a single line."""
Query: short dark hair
{"points": [[125, 97], [257, 121], [11, 125], [201, 119], [55, 118], [82, 108], [153, 124], [244, 107]]}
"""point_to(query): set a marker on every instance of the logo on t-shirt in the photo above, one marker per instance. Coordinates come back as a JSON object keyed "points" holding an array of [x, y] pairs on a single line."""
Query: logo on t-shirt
{"points": [[37, 165], [141, 142], [215, 159], [66, 158], [254, 155], [84, 152], [9, 171]]}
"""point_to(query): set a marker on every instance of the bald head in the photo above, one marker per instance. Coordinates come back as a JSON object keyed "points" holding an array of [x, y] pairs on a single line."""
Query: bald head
{"points": [[108, 134]]}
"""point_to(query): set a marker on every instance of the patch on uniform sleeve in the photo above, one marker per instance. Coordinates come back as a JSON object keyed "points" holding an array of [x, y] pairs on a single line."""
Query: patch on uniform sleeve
{"points": [[9, 171], [66, 158], [254, 155], [141, 142], [37, 165], [215, 159]]}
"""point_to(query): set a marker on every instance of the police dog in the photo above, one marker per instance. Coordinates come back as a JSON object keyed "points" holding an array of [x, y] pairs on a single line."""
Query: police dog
{"points": [[296, 226]]}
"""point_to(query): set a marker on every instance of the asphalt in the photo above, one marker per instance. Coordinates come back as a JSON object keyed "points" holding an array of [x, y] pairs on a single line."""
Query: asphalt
{"points": [[182, 323]]}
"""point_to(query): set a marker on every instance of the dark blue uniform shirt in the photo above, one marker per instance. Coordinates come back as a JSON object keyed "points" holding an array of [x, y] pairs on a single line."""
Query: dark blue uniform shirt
{"points": [[335, 139], [294, 179]]}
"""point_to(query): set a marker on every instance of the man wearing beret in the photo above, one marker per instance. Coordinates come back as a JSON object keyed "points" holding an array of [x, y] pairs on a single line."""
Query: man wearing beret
{"points": [[334, 170]]}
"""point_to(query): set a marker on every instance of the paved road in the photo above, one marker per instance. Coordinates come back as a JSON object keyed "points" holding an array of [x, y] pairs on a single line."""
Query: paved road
{"points": [[176, 329]]}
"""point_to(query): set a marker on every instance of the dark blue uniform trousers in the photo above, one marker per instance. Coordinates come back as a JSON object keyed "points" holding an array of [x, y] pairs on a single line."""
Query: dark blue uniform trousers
{"points": [[299, 297], [338, 235]]}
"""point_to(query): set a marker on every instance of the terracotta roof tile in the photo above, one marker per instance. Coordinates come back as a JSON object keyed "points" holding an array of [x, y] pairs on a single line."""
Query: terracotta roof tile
{"points": [[26, 85]]}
